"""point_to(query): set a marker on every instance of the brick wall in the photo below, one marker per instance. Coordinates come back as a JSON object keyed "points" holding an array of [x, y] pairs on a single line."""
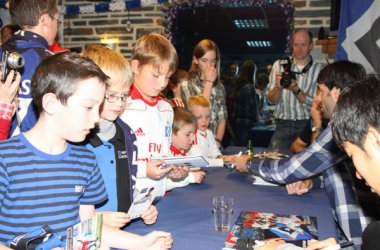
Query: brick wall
{"points": [[83, 29]]}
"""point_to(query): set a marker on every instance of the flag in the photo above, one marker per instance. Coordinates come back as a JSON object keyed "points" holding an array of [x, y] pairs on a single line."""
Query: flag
{"points": [[359, 33]]}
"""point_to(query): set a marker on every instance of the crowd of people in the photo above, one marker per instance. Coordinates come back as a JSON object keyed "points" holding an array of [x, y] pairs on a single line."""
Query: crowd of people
{"points": [[79, 131]]}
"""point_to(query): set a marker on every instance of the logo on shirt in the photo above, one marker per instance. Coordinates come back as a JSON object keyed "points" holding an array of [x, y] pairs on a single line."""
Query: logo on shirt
{"points": [[79, 189], [139, 132], [168, 131], [122, 154]]}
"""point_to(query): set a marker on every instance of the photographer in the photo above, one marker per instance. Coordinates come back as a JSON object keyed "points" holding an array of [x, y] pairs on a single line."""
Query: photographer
{"points": [[292, 85]]}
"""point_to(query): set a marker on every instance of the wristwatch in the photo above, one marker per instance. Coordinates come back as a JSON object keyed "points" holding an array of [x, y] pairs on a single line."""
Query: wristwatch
{"points": [[297, 92], [315, 129]]}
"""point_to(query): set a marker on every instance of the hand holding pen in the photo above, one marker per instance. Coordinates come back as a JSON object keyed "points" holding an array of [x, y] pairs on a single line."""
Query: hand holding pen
{"points": [[233, 164]]}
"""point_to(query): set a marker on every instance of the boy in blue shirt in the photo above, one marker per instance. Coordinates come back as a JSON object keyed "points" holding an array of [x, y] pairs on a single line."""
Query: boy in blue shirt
{"points": [[47, 180]]}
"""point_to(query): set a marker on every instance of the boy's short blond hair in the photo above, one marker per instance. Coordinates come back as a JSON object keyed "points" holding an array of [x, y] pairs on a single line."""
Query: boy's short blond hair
{"points": [[154, 49], [111, 62], [182, 117], [198, 100]]}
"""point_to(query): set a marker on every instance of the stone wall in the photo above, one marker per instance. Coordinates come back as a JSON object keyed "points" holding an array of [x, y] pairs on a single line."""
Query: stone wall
{"points": [[80, 30]]}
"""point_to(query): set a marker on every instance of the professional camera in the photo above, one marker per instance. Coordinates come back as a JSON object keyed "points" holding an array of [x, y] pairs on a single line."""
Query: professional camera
{"points": [[287, 74], [9, 61]]}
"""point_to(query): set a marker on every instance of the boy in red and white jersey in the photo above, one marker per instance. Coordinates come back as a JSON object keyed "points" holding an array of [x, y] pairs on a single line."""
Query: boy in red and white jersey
{"points": [[204, 139], [184, 126], [154, 59]]}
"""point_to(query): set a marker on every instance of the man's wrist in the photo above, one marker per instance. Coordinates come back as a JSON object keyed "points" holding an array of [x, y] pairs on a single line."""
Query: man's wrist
{"points": [[296, 92], [316, 129], [248, 165]]}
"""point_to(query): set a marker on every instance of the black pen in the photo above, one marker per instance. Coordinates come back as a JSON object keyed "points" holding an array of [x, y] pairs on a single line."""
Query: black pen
{"points": [[346, 244]]}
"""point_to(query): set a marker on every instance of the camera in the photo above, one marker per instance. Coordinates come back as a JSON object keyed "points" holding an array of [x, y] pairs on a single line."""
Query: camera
{"points": [[9, 61], [287, 74]]}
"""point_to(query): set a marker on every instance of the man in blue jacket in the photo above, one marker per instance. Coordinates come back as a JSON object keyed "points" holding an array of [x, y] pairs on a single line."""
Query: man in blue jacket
{"points": [[39, 20]]}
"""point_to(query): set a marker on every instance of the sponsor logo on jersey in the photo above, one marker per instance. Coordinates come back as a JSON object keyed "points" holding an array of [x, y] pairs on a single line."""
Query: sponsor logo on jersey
{"points": [[139, 132], [168, 131]]}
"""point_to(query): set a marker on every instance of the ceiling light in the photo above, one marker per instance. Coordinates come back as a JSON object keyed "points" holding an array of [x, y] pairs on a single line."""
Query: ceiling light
{"points": [[259, 44], [250, 23]]}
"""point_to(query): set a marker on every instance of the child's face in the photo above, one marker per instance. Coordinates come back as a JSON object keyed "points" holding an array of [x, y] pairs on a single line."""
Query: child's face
{"points": [[203, 115], [114, 103], [78, 116], [149, 80], [367, 163], [207, 60], [184, 137]]}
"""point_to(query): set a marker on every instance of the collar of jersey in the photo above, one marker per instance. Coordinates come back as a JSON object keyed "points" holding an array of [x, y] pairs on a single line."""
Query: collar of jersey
{"points": [[135, 94], [177, 151], [30, 36]]}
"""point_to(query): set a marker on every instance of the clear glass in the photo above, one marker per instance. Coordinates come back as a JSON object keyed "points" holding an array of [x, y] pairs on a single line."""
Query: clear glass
{"points": [[222, 218], [222, 208]]}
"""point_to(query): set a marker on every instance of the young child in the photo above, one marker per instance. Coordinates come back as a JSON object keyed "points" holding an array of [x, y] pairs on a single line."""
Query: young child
{"points": [[113, 141], [204, 140], [184, 125], [154, 59], [48, 180]]}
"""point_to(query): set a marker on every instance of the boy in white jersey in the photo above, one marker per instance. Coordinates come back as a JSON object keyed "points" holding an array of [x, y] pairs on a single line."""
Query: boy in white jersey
{"points": [[154, 59], [184, 126], [204, 140]]}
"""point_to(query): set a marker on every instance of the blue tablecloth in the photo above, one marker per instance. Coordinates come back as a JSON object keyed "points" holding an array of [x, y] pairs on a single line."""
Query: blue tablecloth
{"points": [[187, 212]]}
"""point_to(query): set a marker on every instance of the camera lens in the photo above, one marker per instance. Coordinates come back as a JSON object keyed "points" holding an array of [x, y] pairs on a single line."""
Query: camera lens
{"points": [[15, 60]]}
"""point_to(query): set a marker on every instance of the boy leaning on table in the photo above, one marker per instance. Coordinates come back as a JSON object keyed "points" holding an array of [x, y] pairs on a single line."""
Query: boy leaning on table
{"points": [[204, 139], [184, 125], [47, 180]]}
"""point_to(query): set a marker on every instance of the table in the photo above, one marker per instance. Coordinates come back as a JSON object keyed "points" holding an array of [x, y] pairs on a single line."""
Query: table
{"points": [[187, 212]]}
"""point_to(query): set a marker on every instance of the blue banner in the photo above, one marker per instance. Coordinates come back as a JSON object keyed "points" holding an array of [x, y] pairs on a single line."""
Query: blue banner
{"points": [[359, 33]]}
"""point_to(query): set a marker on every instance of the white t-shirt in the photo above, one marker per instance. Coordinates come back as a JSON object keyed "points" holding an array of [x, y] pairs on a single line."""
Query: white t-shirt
{"points": [[205, 145], [152, 125]]}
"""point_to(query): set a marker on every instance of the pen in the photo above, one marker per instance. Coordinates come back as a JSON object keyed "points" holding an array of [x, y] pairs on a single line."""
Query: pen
{"points": [[346, 244], [233, 165]]}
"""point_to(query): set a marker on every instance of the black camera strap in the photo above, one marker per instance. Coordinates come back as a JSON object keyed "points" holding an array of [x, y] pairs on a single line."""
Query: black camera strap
{"points": [[306, 68]]}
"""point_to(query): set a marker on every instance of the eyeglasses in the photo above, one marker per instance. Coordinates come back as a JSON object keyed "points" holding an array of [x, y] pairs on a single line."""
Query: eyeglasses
{"points": [[112, 98], [59, 18]]}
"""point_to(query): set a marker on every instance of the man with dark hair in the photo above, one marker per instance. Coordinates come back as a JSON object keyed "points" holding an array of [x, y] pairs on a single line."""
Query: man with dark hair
{"points": [[324, 156], [39, 21], [356, 126]]}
